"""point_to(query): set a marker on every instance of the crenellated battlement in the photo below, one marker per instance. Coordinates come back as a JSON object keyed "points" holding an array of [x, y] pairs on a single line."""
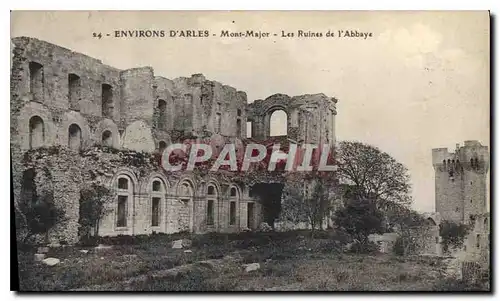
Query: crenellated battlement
{"points": [[461, 180], [472, 155]]}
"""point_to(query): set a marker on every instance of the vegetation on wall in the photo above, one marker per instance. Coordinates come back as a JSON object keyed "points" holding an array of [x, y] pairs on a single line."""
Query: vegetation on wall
{"points": [[37, 212], [94, 205], [452, 234]]}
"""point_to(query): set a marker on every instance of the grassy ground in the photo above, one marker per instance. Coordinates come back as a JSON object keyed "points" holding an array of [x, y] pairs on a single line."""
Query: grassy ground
{"points": [[289, 261]]}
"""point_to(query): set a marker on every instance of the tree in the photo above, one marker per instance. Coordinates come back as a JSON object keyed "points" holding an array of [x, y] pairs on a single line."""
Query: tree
{"points": [[94, 200], [410, 222], [300, 206], [374, 174], [359, 218]]}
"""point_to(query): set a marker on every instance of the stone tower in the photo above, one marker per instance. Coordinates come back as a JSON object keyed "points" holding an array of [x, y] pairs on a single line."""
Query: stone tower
{"points": [[460, 181]]}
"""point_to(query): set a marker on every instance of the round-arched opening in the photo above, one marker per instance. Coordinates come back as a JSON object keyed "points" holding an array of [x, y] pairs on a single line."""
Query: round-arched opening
{"points": [[74, 137], [124, 200], [158, 203], [278, 124], [37, 132], [107, 138], [211, 190], [162, 105]]}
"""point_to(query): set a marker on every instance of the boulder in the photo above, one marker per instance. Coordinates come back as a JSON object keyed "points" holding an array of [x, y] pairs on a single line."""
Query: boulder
{"points": [[188, 251], [264, 227], [51, 261], [84, 251], [54, 245], [103, 247], [39, 257], [42, 250], [251, 267], [186, 243], [177, 244]]}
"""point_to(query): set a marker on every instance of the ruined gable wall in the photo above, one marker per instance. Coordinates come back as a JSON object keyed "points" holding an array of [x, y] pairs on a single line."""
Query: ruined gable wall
{"points": [[58, 63], [310, 117]]}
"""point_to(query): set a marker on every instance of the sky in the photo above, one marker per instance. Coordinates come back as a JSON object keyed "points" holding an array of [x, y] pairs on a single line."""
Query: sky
{"points": [[420, 82]]}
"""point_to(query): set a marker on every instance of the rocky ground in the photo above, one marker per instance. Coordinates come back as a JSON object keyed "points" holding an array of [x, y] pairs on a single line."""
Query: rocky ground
{"points": [[235, 262]]}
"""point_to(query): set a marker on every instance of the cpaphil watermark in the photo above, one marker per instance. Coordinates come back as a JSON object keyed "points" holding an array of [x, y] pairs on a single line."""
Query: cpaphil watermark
{"points": [[238, 157]]}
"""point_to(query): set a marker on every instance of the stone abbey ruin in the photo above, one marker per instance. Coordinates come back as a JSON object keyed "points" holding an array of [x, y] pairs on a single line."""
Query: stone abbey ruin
{"points": [[76, 121]]}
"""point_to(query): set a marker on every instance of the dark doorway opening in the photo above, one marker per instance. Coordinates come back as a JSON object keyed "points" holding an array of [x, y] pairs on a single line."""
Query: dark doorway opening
{"points": [[270, 196], [251, 216]]}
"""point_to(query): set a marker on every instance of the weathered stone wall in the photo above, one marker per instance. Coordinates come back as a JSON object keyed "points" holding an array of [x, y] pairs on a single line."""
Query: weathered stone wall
{"points": [[137, 101], [55, 90], [67, 173], [57, 63], [310, 118], [460, 184], [461, 194]]}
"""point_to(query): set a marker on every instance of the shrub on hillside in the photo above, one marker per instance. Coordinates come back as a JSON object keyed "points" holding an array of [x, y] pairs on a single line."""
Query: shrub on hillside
{"points": [[364, 248]]}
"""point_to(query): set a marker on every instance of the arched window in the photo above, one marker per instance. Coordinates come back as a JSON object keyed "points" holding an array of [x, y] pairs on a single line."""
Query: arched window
{"points": [[233, 203], [239, 112], [36, 81], [157, 199], [107, 139], [37, 132], [74, 137], [486, 223], [124, 190], [123, 183], [211, 190], [107, 105], [74, 85], [157, 186], [278, 123], [185, 191], [162, 114], [211, 204]]}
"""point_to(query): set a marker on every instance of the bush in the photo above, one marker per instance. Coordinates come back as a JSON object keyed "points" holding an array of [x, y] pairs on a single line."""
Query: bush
{"points": [[94, 201], [399, 247], [453, 234], [364, 248]]}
